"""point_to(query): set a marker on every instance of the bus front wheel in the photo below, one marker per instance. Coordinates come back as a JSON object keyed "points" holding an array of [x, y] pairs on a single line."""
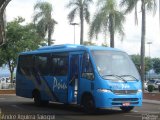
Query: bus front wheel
{"points": [[127, 109], [88, 104]]}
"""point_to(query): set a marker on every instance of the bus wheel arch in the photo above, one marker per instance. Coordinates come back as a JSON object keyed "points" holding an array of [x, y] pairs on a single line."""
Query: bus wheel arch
{"points": [[88, 103]]}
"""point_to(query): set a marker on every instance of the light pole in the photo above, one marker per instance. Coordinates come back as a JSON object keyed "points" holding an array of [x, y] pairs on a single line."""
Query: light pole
{"points": [[149, 43], [74, 24]]}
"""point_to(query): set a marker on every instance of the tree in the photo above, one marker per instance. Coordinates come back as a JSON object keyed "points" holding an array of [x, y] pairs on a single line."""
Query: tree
{"points": [[19, 38], [89, 43], [3, 4], [104, 44], [1, 59], [108, 18], [43, 19], [81, 8], [146, 5], [137, 61], [156, 65]]}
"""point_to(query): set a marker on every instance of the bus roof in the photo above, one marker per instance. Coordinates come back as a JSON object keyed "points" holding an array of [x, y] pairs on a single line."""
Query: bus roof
{"points": [[67, 47]]}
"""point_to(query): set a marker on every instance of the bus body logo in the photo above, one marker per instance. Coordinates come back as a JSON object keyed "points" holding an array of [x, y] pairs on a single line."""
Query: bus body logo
{"points": [[122, 86], [59, 85], [125, 86]]}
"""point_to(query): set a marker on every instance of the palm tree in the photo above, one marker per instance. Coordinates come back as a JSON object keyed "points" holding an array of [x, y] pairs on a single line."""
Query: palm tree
{"points": [[81, 8], [43, 19], [146, 5], [107, 18]]}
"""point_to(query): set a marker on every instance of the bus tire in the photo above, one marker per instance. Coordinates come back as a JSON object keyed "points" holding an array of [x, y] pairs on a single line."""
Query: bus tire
{"points": [[88, 104], [37, 98], [127, 109]]}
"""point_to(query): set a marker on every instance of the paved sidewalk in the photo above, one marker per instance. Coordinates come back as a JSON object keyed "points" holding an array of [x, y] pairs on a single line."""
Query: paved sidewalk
{"points": [[151, 101]]}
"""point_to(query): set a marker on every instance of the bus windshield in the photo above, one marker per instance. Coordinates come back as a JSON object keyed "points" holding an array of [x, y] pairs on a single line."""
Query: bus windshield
{"points": [[115, 64]]}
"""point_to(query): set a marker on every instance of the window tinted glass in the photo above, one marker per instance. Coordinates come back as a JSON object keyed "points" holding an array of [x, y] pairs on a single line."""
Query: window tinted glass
{"points": [[25, 64], [114, 63], [87, 69], [42, 64], [59, 65]]}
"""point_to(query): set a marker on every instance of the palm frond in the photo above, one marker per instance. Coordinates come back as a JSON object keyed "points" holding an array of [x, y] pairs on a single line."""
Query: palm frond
{"points": [[151, 5], [42, 28], [129, 5], [136, 16], [73, 3], [88, 2], [43, 6], [119, 20], [87, 15], [37, 16], [97, 24], [72, 14], [51, 26]]}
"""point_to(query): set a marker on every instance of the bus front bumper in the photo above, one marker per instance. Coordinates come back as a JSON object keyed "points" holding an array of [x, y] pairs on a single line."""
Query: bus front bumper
{"points": [[109, 100]]}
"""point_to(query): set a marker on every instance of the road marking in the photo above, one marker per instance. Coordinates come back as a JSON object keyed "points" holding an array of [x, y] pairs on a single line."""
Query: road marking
{"points": [[15, 106], [133, 116], [2, 98], [135, 111]]}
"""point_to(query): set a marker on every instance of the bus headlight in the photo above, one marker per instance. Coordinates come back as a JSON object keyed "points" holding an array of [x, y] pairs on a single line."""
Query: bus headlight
{"points": [[104, 90], [139, 90]]}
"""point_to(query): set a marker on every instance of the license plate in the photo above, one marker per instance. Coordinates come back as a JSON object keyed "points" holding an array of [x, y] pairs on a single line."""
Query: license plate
{"points": [[126, 104]]}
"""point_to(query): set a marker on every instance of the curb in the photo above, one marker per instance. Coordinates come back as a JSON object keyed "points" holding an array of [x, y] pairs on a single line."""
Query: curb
{"points": [[151, 101], [7, 92]]}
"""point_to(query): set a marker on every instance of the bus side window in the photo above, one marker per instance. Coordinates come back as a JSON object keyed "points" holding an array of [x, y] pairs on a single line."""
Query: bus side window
{"points": [[41, 64], [87, 68], [25, 65], [59, 65]]}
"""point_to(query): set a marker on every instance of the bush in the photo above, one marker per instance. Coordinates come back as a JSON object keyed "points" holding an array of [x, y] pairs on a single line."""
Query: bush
{"points": [[150, 88]]}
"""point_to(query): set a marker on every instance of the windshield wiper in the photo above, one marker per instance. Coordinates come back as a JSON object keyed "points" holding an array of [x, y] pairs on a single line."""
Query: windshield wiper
{"points": [[129, 76], [116, 76]]}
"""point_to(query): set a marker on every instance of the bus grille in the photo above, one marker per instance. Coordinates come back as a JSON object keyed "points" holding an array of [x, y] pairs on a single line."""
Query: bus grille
{"points": [[125, 99], [122, 92], [120, 101]]}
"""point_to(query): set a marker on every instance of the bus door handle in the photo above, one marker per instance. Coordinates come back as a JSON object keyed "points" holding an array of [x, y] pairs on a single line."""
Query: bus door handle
{"points": [[92, 86]]}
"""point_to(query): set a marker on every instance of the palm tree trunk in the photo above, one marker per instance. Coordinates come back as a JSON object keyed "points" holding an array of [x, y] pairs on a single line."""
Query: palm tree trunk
{"points": [[82, 25], [49, 32], [111, 30], [49, 37], [143, 33]]}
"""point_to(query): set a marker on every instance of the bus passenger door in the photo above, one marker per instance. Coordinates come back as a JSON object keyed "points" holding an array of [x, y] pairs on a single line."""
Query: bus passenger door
{"points": [[73, 78]]}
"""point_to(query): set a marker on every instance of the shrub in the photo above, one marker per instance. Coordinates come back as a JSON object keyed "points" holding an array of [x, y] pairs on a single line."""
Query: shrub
{"points": [[150, 88]]}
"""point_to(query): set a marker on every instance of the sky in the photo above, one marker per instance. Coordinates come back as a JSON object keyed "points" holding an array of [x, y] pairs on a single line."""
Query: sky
{"points": [[64, 32]]}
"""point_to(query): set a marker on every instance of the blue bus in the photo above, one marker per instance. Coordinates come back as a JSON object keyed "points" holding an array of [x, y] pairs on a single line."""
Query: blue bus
{"points": [[90, 76]]}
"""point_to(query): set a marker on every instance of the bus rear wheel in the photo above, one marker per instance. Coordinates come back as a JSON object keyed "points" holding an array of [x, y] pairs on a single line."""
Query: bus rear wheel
{"points": [[88, 104], [127, 109], [38, 101]]}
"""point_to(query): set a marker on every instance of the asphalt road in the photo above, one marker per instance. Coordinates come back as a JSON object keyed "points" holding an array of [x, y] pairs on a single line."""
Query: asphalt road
{"points": [[18, 108]]}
